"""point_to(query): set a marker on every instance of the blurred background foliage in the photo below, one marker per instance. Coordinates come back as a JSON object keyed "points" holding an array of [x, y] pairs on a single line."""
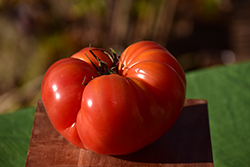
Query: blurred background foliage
{"points": [[36, 33]]}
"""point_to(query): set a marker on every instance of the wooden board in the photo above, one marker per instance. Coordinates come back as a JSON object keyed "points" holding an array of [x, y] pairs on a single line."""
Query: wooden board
{"points": [[187, 144]]}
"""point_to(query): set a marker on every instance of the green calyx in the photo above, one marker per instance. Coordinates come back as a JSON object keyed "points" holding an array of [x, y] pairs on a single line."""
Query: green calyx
{"points": [[102, 68]]}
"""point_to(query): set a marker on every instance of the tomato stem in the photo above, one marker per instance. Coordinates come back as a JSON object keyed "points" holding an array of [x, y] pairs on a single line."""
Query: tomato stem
{"points": [[115, 59], [92, 62], [83, 82], [102, 68]]}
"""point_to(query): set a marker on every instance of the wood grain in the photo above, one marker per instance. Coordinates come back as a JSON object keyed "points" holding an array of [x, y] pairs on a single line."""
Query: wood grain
{"points": [[187, 144]]}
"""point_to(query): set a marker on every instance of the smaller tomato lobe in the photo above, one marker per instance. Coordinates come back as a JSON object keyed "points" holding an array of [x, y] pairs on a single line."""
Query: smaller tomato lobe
{"points": [[61, 94], [158, 55]]}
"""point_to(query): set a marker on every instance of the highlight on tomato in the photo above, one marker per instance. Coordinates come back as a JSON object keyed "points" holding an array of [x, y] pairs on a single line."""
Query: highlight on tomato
{"points": [[114, 105]]}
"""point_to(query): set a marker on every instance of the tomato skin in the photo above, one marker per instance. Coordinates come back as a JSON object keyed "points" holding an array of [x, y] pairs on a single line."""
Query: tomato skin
{"points": [[120, 113]]}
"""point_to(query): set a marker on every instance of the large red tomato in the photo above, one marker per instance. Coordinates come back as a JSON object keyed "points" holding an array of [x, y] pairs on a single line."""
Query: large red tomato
{"points": [[119, 110]]}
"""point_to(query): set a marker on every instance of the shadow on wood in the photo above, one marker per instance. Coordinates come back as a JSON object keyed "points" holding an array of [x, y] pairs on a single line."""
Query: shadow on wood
{"points": [[188, 140]]}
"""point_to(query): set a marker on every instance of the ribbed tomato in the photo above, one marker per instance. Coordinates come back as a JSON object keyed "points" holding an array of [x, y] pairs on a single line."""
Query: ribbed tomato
{"points": [[119, 109]]}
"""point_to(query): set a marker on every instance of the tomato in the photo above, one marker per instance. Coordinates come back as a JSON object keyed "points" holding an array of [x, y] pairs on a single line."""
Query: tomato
{"points": [[119, 110]]}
